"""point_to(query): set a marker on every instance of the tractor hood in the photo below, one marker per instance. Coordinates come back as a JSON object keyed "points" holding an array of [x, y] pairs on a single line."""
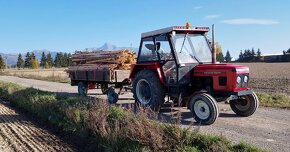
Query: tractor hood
{"points": [[224, 76], [222, 67]]}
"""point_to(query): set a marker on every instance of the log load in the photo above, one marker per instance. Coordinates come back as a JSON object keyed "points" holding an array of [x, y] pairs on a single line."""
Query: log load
{"points": [[105, 60]]}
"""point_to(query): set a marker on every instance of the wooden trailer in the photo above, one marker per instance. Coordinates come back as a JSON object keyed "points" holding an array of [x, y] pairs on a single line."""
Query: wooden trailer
{"points": [[105, 70]]}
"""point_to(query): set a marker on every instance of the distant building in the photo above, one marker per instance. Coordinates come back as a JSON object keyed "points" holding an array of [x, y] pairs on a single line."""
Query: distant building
{"points": [[276, 57]]}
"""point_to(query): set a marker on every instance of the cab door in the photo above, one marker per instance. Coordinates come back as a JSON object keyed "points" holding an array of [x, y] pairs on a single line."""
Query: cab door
{"points": [[167, 60]]}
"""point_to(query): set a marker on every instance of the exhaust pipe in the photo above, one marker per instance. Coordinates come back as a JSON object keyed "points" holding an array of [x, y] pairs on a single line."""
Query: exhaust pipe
{"points": [[213, 52]]}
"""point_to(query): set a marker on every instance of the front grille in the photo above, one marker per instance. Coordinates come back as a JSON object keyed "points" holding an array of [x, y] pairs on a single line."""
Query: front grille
{"points": [[242, 84]]}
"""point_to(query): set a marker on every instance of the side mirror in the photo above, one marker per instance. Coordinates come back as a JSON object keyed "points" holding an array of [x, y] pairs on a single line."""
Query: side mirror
{"points": [[152, 46]]}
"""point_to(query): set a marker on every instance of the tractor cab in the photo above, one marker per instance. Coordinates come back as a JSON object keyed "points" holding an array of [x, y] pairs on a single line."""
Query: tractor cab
{"points": [[177, 50], [178, 64]]}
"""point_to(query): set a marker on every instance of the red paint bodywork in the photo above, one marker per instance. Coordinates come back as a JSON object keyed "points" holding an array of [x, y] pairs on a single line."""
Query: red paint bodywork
{"points": [[202, 70], [91, 85], [153, 66], [216, 70]]}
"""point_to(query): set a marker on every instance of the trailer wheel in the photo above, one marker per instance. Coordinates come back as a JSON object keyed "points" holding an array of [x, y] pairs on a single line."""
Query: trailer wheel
{"points": [[104, 88], [82, 89], [246, 105], [148, 90], [112, 95], [204, 108]]}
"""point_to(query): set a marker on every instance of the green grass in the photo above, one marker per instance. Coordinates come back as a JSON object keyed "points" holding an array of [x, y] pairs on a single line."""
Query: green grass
{"points": [[274, 100], [99, 126]]}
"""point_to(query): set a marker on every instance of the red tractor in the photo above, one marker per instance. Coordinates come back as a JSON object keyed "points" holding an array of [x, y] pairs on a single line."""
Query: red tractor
{"points": [[179, 63]]}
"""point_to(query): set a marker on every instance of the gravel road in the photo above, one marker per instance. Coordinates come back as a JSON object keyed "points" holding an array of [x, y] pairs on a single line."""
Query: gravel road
{"points": [[18, 133], [268, 128]]}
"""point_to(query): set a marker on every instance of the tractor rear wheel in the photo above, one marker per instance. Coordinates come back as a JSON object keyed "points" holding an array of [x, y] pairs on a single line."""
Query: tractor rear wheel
{"points": [[82, 89], [148, 90], [245, 105], [204, 108]]}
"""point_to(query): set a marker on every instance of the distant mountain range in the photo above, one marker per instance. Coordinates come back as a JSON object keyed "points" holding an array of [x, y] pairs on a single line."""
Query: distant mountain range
{"points": [[12, 58], [111, 47]]}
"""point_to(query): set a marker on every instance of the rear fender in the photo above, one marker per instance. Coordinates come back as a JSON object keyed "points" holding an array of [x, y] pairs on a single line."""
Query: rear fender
{"points": [[153, 66]]}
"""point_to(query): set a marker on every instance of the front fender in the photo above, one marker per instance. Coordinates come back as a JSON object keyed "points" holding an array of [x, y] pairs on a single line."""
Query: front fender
{"points": [[242, 93]]}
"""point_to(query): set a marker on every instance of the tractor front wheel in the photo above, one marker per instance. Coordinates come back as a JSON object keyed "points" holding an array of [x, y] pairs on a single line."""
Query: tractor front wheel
{"points": [[148, 90], [204, 108], [245, 105]]}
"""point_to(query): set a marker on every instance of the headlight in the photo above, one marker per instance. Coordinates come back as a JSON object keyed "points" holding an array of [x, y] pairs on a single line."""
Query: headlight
{"points": [[246, 79], [239, 79]]}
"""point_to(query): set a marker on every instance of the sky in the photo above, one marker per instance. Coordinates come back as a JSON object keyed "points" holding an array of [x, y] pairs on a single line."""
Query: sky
{"points": [[69, 25]]}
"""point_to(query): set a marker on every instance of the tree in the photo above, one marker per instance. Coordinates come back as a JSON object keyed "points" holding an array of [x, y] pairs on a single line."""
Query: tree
{"points": [[241, 56], [64, 60], [46, 65], [228, 57], [247, 55], [219, 53], [253, 55], [32, 56], [259, 55], [33, 61], [35, 64], [27, 61], [20, 62], [49, 60], [58, 60], [288, 51], [69, 60], [42, 60], [2, 63]]}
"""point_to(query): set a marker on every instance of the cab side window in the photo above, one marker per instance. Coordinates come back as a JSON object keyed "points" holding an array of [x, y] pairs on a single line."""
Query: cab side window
{"points": [[164, 48], [148, 50]]}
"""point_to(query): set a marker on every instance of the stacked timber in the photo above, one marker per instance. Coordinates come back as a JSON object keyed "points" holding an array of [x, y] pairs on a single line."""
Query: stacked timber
{"points": [[106, 60]]}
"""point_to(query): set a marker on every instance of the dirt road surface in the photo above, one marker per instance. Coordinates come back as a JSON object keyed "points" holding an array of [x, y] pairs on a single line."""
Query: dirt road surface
{"points": [[268, 128], [18, 133]]}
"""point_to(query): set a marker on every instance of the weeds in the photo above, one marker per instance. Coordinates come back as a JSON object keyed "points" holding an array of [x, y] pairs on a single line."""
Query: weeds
{"points": [[51, 78], [102, 127], [275, 100], [27, 74]]}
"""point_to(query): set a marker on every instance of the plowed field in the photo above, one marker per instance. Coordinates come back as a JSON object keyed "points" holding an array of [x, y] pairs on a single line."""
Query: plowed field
{"points": [[269, 77], [18, 133]]}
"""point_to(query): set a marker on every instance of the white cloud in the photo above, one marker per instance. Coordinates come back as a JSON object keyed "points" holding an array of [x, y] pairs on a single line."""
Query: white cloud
{"points": [[212, 16], [197, 7], [250, 21]]}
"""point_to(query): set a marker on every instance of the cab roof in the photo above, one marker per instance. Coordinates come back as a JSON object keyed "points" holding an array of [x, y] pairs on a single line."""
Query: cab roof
{"points": [[175, 28]]}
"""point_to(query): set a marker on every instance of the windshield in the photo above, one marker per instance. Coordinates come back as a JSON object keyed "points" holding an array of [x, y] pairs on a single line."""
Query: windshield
{"points": [[191, 48]]}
